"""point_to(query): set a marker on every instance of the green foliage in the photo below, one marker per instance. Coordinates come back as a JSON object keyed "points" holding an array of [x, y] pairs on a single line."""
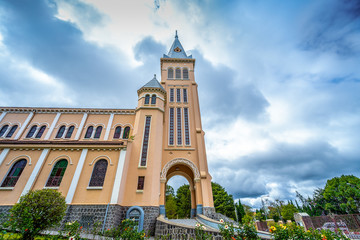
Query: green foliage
{"points": [[223, 202], [294, 232], [287, 211], [240, 211], [37, 211], [127, 230], [73, 229], [171, 207], [243, 231], [183, 201], [200, 233]]}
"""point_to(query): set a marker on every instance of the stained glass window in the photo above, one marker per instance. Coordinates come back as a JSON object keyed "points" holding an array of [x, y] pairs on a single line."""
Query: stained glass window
{"points": [[11, 132], [98, 174], [178, 73], [170, 73], [40, 132], [171, 127], [31, 131], [178, 95], [185, 73], [147, 99], [171, 95], [126, 133], [89, 132], [69, 131], [153, 99], [185, 95], [57, 173], [145, 141], [178, 123], [14, 174], [60, 132], [186, 126], [117, 132], [98, 132], [3, 130], [141, 181]]}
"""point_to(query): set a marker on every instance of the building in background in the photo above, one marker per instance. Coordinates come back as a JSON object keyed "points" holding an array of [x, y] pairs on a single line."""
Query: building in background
{"points": [[112, 164]]}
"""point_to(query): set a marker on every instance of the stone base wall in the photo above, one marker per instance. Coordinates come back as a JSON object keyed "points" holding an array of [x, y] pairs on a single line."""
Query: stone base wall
{"points": [[4, 213], [210, 213]]}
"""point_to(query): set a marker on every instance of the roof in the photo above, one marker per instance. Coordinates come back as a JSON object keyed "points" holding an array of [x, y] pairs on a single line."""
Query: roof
{"points": [[177, 50], [152, 84]]}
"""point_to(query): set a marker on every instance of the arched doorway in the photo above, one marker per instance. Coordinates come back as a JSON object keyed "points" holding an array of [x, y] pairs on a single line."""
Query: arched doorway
{"points": [[189, 171]]}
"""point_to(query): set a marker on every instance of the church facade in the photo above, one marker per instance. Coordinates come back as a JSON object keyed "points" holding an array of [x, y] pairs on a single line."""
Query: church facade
{"points": [[112, 164]]}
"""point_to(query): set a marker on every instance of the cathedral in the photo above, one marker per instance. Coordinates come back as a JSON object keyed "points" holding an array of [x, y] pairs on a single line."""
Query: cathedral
{"points": [[112, 164]]}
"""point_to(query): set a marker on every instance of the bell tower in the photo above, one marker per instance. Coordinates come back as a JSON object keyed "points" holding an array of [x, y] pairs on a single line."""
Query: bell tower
{"points": [[183, 137]]}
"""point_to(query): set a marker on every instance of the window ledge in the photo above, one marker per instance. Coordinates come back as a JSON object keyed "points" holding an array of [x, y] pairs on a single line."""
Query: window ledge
{"points": [[94, 188], [139, 191], [142, 167], [6, 188], [50, 187]]}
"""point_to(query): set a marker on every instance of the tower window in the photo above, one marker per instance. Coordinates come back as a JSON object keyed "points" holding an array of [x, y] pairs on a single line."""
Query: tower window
{"points": [[186, 126], [11, 132], [178, 95], [3, 130], [141, 181], [57, 173], [117, 132], [98, 174], [153, 99], [40, 132], [14, 174], [145, 141], [171, 126], [185, 73], [89, 132], [69, 132], [178, 73], [171, 95], [178, 122], [31, 131], [170, 73], [147, 99], [126, 133], [60, 132], [98, 132], [185, 95]]}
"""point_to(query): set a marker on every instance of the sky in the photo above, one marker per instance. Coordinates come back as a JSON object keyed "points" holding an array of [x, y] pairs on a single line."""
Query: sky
{"points": [[279, 81]]}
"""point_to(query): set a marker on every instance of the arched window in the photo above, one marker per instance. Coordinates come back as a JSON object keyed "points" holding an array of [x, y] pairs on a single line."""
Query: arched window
{"points": [[170, 73], [14, 174], [32, 131], [147, 99], [98, 174], [11, 132], [153, 99], [185, 73], [178, 73], [89, 132], [3, 130], [98, 132], [117, 132], [40, 132], [57, 173], [126, 133], [61, 131], [69, 132], [136, 213]]}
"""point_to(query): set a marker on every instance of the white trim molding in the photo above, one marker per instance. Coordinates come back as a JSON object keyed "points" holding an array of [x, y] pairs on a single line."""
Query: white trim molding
{"points": [[3, 155], [83, 120], [118, 177], [49, 132], [23, 127], [107, 133]]}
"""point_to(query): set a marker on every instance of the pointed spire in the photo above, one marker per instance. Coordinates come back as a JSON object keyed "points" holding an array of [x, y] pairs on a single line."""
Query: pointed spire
{"points": [[176, 50], [153, 83]]}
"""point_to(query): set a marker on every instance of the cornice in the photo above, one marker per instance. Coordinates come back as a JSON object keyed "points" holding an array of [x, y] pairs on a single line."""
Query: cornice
{"points": [[178, 60], [66, 110], [59, 145]]}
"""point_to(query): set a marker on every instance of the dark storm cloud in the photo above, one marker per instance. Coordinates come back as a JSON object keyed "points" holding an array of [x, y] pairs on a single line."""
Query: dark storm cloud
{"points": [[220, 94], [334, 27]]}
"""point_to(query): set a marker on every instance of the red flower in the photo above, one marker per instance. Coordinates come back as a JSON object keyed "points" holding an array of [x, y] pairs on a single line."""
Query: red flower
{"points": [[26, 230], [81, 227], [233, 238]]}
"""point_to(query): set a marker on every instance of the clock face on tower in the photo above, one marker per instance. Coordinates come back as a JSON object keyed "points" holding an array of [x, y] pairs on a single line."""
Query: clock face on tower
{"points": [[177, 49]]}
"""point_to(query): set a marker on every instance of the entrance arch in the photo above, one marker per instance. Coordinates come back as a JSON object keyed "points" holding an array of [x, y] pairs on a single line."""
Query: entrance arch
{"points": [[187, 169]]}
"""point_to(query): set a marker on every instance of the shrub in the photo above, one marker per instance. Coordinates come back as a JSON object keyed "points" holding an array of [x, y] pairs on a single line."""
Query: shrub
{"points": [[37, 211], [127, 230], [244, 231], [200, 233]]}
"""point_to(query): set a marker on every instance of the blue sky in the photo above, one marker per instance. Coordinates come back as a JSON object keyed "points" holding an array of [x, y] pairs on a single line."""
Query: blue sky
{"points": [[279, 81]]}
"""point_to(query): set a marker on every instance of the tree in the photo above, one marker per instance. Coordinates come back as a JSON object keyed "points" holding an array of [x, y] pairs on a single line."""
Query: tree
{"points": [[342, 195], [223, 202], [183, 201], [36, 211], [240, 211], [170, 205], [287, 211]]}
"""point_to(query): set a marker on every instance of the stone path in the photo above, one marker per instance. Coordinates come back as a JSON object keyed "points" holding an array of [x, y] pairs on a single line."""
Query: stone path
{"points": [[187, 222]]}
